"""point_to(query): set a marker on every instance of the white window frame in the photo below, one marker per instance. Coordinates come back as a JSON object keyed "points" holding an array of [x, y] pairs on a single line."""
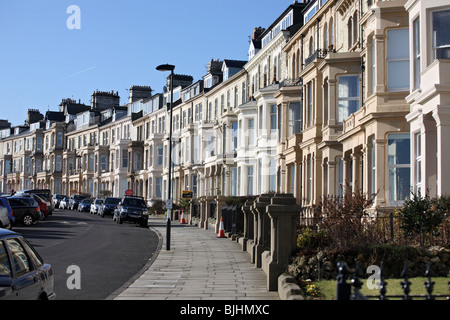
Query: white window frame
{"points": [[433, 36], [348, 98], [392, 200], [391, 61]]}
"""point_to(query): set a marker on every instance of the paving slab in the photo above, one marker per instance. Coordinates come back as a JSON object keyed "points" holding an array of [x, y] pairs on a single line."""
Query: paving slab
{"points": [[198, 266]]}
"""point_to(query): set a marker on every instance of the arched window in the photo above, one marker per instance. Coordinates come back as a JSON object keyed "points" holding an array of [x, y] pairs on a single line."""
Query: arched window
{"points": [[325, 37], [350, 32], [275, 68], [331, 32], [293, 65], [355, 27]]}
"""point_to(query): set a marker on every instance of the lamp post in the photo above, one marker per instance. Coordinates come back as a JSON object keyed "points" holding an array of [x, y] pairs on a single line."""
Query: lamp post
{"points": [[168, 67]]}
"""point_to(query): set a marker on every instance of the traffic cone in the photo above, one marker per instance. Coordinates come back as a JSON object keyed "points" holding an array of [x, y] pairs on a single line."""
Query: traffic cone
{"points": [[182, 221], [221, 230]]}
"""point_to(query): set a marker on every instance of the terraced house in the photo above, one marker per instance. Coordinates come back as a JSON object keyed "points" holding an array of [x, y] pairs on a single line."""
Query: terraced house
{"points": [[335, 94], [348, 62]]}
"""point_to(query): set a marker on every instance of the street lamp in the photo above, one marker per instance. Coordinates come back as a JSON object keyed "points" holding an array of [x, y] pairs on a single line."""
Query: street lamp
{"points": [[168, 67]]}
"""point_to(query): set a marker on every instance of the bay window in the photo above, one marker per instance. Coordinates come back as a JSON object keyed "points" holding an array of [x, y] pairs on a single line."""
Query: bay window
{"points": [[250, 180], [348, 96], [398, 59], [294, 118], [399, 166], [418, 162], [416, 52], [441, 34]]}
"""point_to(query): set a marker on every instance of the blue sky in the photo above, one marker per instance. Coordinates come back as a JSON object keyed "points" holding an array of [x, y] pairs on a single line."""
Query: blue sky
{"points": [[119, 44]]}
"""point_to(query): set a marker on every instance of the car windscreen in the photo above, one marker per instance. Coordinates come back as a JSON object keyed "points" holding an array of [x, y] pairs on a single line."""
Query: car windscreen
{"points": [[22, 202], [41, 193], [78, 197], [112, 201], [134, 203]]}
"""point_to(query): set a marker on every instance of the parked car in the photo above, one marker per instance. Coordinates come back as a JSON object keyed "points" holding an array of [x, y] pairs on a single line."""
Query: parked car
{"points": [[4, 217], [56, 199], [132, 209], [74, 200], [44, 194], [43, 207], [64, 203], [25, 209], [108, 207], [95, 205], [23, 273], [85, 205], [5, 203]]}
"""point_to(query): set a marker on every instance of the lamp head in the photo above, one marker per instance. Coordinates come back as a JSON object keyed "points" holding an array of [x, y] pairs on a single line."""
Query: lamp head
{"points": [[165, 67]]}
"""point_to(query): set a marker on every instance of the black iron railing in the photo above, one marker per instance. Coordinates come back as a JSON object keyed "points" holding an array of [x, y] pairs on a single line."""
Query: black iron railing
{"points": [[351, 291]]}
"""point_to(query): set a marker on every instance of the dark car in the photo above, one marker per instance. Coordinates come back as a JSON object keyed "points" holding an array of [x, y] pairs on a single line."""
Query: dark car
{"points": [[42, 193], [25, 210], [43, 205], [23, 273], [108, 207], [85, 205], [132, 209], [75, 200]]}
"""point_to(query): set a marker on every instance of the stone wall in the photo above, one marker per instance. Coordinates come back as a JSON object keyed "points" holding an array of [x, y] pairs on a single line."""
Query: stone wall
{"points": [[323, 265]]}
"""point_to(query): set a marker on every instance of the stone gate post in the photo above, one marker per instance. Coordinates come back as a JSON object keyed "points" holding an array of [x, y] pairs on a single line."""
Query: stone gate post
{"points": [[248, 225], [283, 212], [262, 227]]}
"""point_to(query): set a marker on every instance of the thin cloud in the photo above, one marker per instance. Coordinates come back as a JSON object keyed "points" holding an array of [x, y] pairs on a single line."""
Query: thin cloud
{"points": [[71, 76]]}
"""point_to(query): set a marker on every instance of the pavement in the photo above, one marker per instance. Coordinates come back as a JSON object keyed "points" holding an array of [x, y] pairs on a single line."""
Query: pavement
{"points": [[198, 266]]}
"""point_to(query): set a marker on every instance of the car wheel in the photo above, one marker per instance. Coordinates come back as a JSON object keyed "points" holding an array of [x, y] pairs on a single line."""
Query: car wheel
{"points": [[27, 220]]}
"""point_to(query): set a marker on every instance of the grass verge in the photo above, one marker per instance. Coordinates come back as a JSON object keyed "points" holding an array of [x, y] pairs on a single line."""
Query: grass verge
{"points": [[326, 289]]}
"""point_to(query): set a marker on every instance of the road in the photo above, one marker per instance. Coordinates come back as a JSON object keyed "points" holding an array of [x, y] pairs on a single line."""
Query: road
{"points": [[107, 254]]}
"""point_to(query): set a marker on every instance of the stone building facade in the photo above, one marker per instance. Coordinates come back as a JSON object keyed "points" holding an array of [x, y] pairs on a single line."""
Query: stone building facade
{"points": [[329, 98]]}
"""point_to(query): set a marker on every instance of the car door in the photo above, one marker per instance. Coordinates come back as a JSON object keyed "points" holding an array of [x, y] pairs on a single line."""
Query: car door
{"points": [[16, 206], [6, 291], [25, 280]]}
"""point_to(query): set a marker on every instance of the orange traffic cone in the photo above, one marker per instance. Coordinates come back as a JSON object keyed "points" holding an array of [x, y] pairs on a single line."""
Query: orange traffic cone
{"points": [[221, 230], [182, 221]]}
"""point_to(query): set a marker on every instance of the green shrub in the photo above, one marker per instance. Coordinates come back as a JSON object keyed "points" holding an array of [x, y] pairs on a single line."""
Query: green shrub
{"points": [[421, 216]]}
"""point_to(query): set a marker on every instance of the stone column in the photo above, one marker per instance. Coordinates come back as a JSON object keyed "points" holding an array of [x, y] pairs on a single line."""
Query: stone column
{"points": [[356, 174], [442, 116], [331, 181], [283, 212], [248, 225], [262, 230], [251, 246], [429, 164]]}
